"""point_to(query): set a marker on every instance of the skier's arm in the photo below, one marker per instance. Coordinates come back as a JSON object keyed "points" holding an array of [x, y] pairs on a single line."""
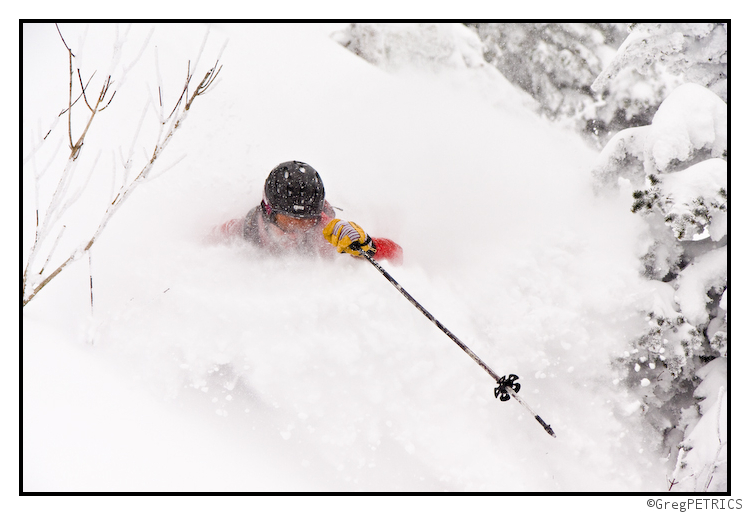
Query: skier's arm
{"points": [[225, 232], [351, 238], [388, 249]]}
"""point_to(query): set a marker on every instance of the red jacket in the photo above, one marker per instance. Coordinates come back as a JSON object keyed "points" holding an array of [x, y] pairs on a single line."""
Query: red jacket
{"points": [[258, 229]]}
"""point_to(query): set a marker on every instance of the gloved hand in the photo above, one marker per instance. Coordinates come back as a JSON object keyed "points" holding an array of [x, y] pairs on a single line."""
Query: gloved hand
{"points": [[348, 237]]}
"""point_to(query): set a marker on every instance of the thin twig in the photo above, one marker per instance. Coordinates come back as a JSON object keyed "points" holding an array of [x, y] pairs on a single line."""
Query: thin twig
{"points": [[716, 461], [184, 91], [70, 92], [70, 89], [83, 89], [63, 39], [74, 101], [52, 250], [91, 285], [110, 101], [208, 79], [102, 95], [187, 82]]}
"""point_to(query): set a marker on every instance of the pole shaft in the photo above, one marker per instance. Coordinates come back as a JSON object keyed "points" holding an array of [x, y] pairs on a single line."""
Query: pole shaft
{"points": [[546, 426], [434, 320], [458, 342]]}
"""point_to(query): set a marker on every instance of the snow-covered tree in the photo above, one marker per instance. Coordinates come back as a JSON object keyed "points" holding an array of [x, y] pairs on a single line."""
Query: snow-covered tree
{"points": [[556, 63], [688, 52], [393, 46], [577, 74], [677, 172], [600, 78]]}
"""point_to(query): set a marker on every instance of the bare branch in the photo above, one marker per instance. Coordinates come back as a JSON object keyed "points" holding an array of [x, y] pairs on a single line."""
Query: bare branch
{"points": [[184, 92], [77, 147], [208, 79], [103, 94], [70, 91], [58, 204], [79, 95], [52, 250], [83, 89], [110, 101], [91, 285], [46, 281], [187, 81], [63, 39]]}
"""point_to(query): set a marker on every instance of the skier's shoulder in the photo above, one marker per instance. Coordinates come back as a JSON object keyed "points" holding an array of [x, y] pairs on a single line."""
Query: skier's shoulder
{"points": [[251, 224]]}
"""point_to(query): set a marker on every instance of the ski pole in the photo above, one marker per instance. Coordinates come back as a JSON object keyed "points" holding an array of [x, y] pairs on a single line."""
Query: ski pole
{"points": [[506, 387]]}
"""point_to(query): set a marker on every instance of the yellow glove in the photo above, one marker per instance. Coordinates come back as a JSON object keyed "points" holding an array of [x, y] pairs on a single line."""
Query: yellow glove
{"points": [[348, 237]]}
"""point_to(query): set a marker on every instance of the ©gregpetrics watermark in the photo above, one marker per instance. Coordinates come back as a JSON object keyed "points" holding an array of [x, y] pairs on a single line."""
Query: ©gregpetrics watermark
{"points": [[694, 504]]}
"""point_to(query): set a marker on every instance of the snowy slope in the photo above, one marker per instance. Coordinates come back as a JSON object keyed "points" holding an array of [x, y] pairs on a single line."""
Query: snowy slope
{"points": [[215, 368]]}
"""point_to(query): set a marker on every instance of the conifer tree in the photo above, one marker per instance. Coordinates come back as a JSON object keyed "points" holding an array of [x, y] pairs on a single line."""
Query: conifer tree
{"points": [[556, 63], [677, 171], [578, 75]]}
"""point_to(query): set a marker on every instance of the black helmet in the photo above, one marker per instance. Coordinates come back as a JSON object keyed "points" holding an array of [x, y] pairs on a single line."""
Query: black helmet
{"points": [[294, 189]]}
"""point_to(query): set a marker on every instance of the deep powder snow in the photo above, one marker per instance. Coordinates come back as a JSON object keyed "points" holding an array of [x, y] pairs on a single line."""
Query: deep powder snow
{"points": [[220, 368]]}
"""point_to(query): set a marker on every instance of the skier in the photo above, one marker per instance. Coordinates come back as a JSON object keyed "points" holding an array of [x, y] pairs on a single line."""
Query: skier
{"points": [[295, 216]]}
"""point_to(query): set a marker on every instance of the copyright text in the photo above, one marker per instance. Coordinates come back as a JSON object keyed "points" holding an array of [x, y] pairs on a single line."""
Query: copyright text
{"points": [[695, 504]]}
